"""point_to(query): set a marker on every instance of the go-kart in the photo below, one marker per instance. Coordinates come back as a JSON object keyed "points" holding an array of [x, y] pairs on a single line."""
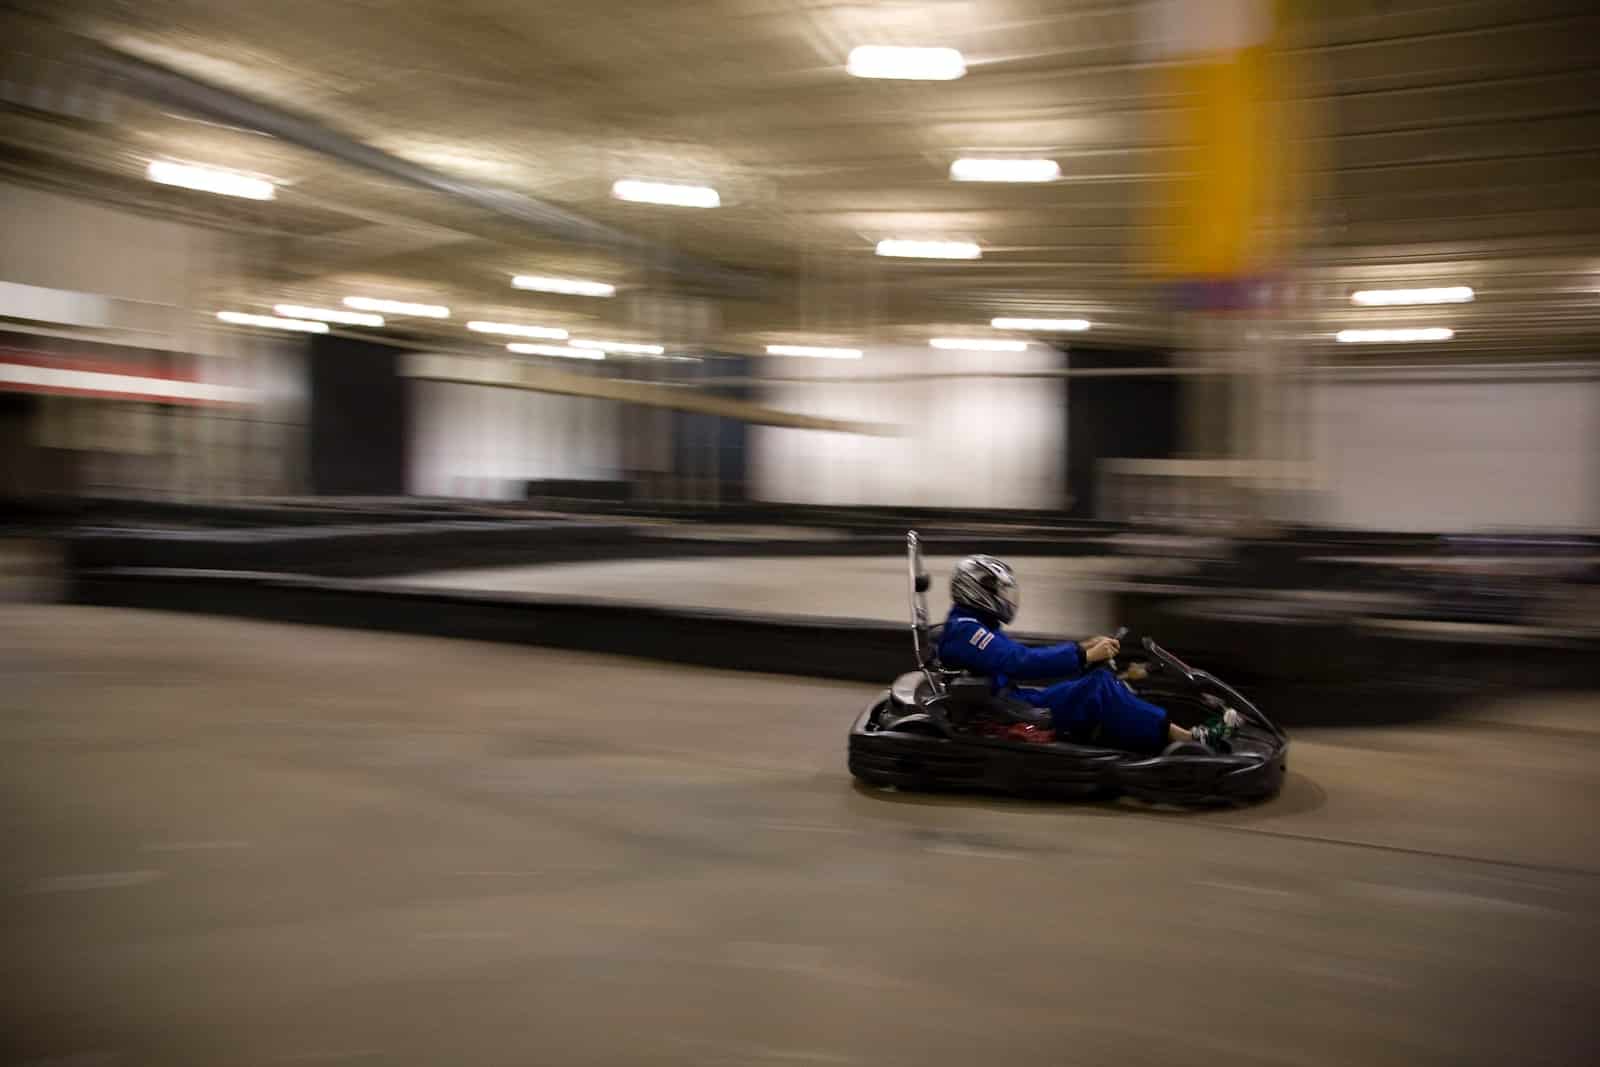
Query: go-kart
{"points": [[939, 729]]}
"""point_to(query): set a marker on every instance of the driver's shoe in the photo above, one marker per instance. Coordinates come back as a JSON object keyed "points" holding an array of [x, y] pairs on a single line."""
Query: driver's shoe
{"points": [[1217, 731]]}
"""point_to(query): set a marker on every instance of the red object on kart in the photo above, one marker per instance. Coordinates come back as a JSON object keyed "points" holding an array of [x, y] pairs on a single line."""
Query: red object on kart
{"points": [[1017, 731]]}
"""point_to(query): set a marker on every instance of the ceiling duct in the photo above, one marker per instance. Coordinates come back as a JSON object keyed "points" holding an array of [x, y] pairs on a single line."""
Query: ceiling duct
{"points": [[168, 88]]}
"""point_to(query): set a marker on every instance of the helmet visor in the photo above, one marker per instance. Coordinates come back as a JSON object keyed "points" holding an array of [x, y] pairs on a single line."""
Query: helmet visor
{"points": [[1009, 595]]}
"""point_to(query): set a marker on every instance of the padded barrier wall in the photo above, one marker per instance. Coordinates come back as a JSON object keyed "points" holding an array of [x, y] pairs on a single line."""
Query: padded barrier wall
{"points": [[842, 649], [399, 548], [1321, 668]]}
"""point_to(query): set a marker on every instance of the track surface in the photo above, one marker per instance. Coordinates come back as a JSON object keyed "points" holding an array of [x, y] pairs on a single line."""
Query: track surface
{"points": [[243, 843]]}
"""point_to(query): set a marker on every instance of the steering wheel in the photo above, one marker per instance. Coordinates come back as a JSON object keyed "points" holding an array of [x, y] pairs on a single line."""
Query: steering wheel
{"points": [[1122, 631]]}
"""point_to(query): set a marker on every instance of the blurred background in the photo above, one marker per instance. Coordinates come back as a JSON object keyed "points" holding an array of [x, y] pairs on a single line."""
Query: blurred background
{"points": [[627, 340]]}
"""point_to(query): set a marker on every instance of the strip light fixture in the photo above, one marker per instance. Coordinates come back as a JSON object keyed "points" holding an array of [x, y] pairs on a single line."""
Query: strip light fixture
{"points": [[569, 286], [349, 318], [905, 64], [1005, 170], [1399, 336], [621, 346], [133, 385], [210, 180], [907, 249], [1042, 325], [814, 351], [672, 194], [512, 329], [240, 318], [561, 351], [1448, 294], [397, 307], [978, 344]]}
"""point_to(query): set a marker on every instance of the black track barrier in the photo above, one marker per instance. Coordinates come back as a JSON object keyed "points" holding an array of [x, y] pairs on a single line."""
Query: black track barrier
{"points": [[407, 548], [1304, 675]]}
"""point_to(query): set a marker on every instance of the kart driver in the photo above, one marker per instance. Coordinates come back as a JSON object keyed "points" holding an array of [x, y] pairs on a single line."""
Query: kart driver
{"points": [[1093, 706]]}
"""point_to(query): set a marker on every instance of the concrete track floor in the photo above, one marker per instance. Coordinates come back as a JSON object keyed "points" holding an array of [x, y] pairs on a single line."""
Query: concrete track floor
{"points": [[242, 843]]}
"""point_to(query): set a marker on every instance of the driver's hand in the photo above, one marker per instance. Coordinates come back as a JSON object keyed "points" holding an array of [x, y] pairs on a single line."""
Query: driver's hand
{"points": [[1099, 649]]}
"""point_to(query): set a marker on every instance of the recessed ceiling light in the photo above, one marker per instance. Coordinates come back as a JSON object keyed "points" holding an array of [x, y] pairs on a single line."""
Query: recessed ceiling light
{"points": [[1042, 325], [908, 64], [1005, 170], [512, 329], [397, 307], [669, 193], [1400, 336], [239, 318], [929, 249], [210, 180], [352, 318], [570, 286], [554, 350], [1449, 294], [621, 346], [814, 351], [978, 344]]}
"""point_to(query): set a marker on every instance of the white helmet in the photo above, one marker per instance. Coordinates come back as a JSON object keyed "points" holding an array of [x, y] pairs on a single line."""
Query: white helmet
{"points": [[985, 584]]}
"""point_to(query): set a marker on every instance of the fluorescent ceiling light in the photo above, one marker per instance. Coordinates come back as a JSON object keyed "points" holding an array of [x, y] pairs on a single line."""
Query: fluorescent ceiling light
{"points": [[1005, 170], [554, 350], [64, 306], [976, 344], [669, 193], [397, 307], [929, 249], [511, 329], [1401, 336], [621, 346], [239, 318], [1042, 325], [910, 64], [353, 318], [570, 286], [28, 375], [210, 180], [814, 351], [1450, 294]]}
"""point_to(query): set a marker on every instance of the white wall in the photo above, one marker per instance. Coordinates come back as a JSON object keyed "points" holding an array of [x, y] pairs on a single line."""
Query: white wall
{"points": [[969, 442], [160, 274], [1458, 456], [481, 442], [160, 279]]}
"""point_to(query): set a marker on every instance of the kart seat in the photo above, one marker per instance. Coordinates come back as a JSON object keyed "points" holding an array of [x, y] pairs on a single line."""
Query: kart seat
{"points": [[972, 696]]}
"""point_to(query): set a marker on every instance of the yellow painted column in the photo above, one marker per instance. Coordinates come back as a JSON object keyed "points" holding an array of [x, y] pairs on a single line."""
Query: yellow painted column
{"points": [[1227, 213], [1227, 206]]}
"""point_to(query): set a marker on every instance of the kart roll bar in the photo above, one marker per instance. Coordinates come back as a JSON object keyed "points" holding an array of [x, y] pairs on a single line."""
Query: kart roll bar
{"points": [[917, 572]]}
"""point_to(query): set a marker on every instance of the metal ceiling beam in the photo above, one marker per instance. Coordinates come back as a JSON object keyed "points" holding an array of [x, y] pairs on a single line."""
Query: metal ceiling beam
{"points": [[170, 89], [508, 374]]}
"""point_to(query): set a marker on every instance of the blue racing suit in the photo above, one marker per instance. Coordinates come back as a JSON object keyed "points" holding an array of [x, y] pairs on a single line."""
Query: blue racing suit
{"points": [[1091, 707]]}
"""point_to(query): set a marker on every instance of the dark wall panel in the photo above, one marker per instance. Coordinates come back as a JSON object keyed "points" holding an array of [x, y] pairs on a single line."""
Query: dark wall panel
{"points": [[1115, 418], [696, 435], [360, 418]]}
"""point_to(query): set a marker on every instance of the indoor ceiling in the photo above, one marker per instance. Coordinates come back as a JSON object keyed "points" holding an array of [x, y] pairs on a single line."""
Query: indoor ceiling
{"points": [[1453, 143]]}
